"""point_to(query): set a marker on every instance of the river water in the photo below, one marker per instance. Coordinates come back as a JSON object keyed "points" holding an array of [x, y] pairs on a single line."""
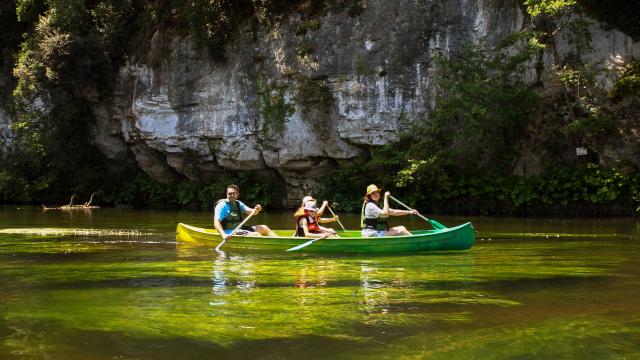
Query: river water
{"points": [[113, 283]]}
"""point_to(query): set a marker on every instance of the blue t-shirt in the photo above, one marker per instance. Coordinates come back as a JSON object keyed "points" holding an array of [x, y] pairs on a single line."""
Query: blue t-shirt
{"points": [[223, 209]]}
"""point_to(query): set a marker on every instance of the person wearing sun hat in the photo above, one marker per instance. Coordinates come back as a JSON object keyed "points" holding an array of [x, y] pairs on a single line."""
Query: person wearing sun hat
{"points": [[308, 219], [373, 219]]}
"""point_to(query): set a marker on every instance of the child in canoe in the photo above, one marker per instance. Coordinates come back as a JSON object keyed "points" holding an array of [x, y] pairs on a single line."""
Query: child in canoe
{"points": [[308, 220], [374, 219]]}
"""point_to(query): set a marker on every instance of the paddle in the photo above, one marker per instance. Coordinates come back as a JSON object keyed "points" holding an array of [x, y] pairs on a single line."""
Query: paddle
{"points": [[236, 229], [436, 225], [298, 247], [334, 215]]}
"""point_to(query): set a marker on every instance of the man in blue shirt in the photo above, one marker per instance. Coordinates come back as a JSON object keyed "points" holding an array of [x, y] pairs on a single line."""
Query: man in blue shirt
{"points": [[229, 214]]}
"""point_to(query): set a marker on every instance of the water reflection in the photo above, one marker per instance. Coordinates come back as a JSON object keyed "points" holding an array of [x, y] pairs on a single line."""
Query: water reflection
{"points": [[219, 279], [337, 292]]}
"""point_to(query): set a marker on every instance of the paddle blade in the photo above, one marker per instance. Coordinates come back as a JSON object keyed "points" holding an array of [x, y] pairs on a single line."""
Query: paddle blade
{"points": [[298, 247], [436, 224]]}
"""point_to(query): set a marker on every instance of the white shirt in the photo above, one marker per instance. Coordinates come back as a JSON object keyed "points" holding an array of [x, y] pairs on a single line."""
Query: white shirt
{"points": [[372, 211]]}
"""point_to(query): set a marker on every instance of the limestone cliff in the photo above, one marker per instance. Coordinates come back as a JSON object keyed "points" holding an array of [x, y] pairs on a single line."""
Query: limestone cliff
{"points": [[295, 98]]}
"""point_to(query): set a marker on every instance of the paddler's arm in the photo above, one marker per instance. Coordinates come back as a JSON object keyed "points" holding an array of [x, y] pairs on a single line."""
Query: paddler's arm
{"points": [[396, 212], [327, 220], [322, 208], [327, 230], [218, 226], [256, 210], [385, 208]]}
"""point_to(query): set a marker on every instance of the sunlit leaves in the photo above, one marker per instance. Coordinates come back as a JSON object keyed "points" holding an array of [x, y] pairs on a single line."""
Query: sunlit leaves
{"points": [[548, 7]]}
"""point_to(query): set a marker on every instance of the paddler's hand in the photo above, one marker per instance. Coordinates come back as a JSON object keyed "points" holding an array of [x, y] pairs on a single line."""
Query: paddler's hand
{"points": [[225, 236], [325, 203], [386, 194], [336, 218], [257, 209], [415, 212]]}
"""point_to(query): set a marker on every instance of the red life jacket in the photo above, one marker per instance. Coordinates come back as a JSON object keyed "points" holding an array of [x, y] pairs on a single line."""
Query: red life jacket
{"points": [[312, 224]]}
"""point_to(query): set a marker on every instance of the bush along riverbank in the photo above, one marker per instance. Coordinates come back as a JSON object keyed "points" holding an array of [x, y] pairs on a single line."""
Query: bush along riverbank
{"points": [[571, 190], [139, 190]]}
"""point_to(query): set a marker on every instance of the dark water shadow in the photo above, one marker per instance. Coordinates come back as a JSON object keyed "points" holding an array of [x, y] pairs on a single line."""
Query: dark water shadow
{"points": [[518, 285], [80, 344]]}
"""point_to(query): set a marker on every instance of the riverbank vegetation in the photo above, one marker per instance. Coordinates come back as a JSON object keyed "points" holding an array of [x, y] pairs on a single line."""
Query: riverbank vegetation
{"points": [[473, 154]]}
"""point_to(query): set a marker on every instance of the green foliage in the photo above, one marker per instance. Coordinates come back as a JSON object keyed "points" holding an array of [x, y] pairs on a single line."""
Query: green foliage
{"points": [[587, 118], [48, 154], [593, 127], [548, 17], [548, 7], [123, 189], [629, 82], [561, 186], [29, 10], [15, 188], [590, 120], [481, 115], [144, 191], [347, 183], [570, 188]]}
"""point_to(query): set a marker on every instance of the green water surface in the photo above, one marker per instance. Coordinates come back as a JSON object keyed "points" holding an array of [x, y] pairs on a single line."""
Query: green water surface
{"points": [[113, 283]]}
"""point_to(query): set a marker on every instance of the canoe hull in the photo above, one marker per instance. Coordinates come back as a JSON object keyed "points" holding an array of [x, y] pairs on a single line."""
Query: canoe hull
{"points": [[460, 237]]}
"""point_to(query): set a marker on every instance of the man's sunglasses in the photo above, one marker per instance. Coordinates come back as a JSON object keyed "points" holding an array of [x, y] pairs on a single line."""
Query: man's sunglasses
{"points": [[232, 193]]}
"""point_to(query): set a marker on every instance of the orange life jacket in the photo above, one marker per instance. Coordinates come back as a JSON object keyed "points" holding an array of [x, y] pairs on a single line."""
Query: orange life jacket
{"points": [[312, 224]]}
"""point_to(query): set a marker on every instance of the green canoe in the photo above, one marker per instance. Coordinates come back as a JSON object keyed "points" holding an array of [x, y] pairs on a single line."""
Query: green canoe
{"points": [[460, 237]]}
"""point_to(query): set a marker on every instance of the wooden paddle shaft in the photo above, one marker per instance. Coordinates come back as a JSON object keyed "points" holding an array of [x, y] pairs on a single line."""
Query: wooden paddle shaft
{"points": [[237, 228], [334, 215], [408, 208]]}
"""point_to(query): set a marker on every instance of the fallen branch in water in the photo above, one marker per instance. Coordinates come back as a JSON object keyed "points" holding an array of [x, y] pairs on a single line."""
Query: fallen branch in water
{"points": [[71, 206]]}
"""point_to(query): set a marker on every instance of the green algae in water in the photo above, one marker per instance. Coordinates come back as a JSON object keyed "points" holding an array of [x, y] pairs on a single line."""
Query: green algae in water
{"points": [[68, 296], [560, 338], [254, 299]]}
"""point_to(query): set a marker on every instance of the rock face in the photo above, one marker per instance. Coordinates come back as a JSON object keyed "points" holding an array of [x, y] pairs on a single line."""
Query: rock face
{"points": [[297, 102]]}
